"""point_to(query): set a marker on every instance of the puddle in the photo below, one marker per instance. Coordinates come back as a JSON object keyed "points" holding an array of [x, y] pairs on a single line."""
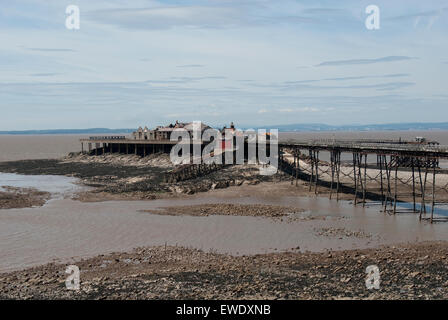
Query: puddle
{"points": [[58, 186]]}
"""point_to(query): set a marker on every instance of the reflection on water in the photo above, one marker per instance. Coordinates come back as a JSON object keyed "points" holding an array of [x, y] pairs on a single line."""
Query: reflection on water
{"points": [[440, 210]]}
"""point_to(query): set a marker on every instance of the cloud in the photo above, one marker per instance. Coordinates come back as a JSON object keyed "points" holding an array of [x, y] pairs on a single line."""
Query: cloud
{"points": [[396, 75], [304, 85], [430, 13], [303, 109], [191, 66], [168, 17], [364, 61], [49, 74], [51, 50]]}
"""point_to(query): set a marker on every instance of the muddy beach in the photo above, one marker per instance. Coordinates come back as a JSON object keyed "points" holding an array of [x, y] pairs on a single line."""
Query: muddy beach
{"points": [[278, 249], [12, 197], [406, 272]]}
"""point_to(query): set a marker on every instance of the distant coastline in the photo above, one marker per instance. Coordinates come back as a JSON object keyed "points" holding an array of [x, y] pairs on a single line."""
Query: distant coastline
{"points": [[300, 127], [67, 131], [408, 126]]}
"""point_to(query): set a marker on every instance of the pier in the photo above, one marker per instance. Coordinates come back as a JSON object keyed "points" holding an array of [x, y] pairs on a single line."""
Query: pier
{"points": [[349, 168], [121, 144], [419, 161]]}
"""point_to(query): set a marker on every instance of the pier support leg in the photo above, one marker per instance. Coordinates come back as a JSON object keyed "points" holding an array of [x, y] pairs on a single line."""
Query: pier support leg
{"points": [[395, 186], [332, 166], [413, 185], [388, 167], [297, 167], [355, 178], [433, 189], [423, 204], [338, 170], [312, 169], [359, 164], [317, 171], [365, 182], [380, 162]]}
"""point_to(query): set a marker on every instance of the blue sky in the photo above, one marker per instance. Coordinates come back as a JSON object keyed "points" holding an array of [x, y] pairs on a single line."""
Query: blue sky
{"points": [[254, 62]]}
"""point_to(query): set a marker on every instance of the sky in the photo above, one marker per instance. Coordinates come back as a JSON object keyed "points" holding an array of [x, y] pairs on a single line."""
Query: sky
{"points": [[254, 62]]}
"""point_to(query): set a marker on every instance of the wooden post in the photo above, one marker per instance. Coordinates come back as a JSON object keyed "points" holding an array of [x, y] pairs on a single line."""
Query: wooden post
{"points": [[413, 184], [332, 161], [365, 181], [297, 167], [423, 204], [433, 189], [389, 191], [317, 171], [361, 184], [355, 178], [395, 186], [338, 169], [312, 169], [381, 179]]}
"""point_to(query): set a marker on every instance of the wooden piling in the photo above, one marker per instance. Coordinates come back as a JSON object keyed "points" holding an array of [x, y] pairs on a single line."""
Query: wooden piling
{"points": [[338, 169], [413, 184], [433, 190], [395, 186], [365, 181], [312, 169], [381, 178], [332, 162], [317, 171], [355, 178]]}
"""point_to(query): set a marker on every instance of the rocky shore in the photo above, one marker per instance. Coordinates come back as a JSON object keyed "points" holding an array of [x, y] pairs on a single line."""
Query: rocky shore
{"points": [[253, 210], [418, 271], [129, 177]]}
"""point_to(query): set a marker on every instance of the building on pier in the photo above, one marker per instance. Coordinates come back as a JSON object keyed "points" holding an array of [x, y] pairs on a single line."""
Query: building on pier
{"points": [[161, 133]]}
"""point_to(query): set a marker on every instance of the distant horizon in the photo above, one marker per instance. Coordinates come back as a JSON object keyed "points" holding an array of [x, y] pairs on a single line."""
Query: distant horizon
{"points": [[296, 127]]}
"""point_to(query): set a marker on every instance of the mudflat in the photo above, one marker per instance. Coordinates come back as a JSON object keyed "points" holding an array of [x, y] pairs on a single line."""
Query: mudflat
{"points": [[12, 197], [417, 271]]}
